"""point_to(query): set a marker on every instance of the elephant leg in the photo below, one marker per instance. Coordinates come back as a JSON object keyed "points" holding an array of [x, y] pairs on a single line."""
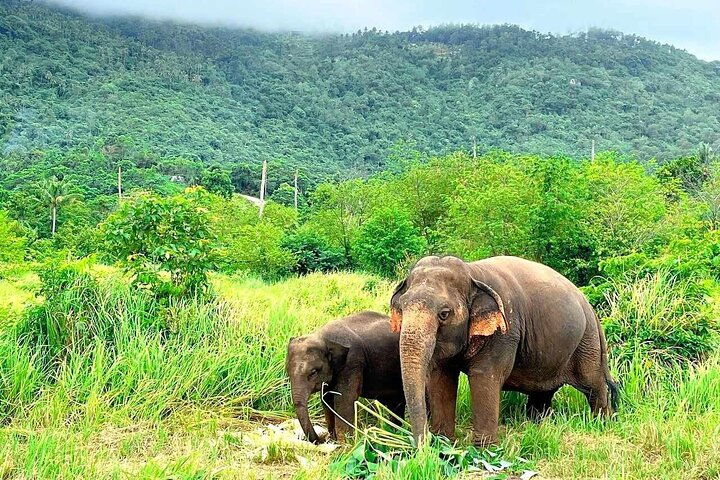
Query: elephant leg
{"points": [[539, 404], [485, 395], [590, 380], [442, 395], [350, 389], [596, 392], [330, 416]]}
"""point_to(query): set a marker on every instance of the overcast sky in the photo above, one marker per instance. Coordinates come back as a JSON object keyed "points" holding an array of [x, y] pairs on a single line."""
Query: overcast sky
{"points": [[690, 24]]}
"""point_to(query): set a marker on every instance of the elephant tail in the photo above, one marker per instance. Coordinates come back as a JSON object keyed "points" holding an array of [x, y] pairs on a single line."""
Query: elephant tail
{"points": [[613, 386]]}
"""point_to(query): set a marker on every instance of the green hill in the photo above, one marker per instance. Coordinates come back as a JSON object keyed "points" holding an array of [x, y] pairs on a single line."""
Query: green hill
{"points": [[335, 104]]}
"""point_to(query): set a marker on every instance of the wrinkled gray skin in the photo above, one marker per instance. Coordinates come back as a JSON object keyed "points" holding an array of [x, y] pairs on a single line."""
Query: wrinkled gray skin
{"points": [[357, 356], [451, 315]]}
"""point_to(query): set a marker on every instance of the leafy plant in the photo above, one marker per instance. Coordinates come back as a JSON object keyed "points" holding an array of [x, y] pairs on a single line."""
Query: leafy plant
{"points": [[385, 240], [389, 451], [216, 180], [165, 242], [12, 240], [312, 253]]}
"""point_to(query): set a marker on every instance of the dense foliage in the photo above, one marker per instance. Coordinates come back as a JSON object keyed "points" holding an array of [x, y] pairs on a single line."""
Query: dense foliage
{"points": [[170, 101], [165, 243], [620, 229]]}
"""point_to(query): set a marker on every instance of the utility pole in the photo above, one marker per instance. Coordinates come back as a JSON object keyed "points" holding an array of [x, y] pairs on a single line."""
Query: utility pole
{"points": [[296, 188], [119, 183], [474, 148], [263, 181], [592, 151]]}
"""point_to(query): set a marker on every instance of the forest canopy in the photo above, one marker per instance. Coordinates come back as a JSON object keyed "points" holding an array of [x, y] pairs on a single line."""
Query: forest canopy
{"points": [[174, 99]]}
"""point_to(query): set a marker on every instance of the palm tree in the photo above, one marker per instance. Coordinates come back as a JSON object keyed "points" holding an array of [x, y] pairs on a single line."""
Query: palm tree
{"points": [[54, 193]]}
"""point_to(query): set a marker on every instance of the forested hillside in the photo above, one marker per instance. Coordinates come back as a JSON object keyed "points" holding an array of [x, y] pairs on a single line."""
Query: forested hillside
{"points": [[172, 99]]}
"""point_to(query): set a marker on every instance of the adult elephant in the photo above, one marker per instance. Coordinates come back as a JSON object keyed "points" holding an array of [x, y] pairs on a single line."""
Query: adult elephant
{"points": [[510, 324]]}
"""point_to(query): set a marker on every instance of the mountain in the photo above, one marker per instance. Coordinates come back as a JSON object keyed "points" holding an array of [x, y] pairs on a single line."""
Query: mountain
{"points": [[334, 105]]}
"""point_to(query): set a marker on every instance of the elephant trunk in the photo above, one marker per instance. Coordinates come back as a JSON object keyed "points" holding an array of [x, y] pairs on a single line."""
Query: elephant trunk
{"points": [[300, 400], [417, 343]]}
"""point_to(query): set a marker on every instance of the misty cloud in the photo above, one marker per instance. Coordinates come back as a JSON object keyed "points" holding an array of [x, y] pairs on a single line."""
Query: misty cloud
{"points": [[689, 24]]}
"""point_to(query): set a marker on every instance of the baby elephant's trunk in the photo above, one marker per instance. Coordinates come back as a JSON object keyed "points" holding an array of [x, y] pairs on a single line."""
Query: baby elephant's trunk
{"points": [[300, 400]]}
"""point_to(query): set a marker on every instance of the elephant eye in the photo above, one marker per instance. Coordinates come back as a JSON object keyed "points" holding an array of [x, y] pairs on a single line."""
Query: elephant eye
{"points": [[313, 372], [444, 314]]}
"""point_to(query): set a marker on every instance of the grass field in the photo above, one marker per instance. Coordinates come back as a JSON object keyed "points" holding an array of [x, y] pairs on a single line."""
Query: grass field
{"points": [[139, 390]]}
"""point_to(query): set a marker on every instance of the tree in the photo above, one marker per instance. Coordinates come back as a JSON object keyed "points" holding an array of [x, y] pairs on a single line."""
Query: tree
{"points": [[386, 240], [54, 193], [493, 211], [155, 238], [284, 194], [216, 180], [626, 205], [709, 196]]}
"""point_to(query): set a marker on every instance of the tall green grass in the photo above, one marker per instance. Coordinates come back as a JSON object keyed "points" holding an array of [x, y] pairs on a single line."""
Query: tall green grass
{"points": [[661, 317]]}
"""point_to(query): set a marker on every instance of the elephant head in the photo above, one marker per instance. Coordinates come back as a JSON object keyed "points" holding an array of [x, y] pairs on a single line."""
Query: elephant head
{"points": [[311, 361], [441, 310]]}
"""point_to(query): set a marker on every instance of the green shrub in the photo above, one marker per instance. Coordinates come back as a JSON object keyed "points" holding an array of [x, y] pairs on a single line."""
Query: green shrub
{"points": [[386, 240], [492, 211], [165, 242], [71, 317], [312, 253], [258, 249], [284, 194], [693, 258], [216, 180]]}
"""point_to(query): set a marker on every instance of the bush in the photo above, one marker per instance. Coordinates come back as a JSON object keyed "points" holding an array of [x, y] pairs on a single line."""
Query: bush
{"points": [[660, 317], [492, 212], [12, 240], [165, 242], [312, 253], [686, 258], [257, 249], [216, 180], [386, 240]]}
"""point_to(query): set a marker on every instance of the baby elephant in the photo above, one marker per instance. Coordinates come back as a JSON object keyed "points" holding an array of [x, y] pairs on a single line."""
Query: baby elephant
{"points": [[357, 356]]}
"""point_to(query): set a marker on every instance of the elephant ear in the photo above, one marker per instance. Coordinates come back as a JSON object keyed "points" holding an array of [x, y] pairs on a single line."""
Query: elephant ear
{"points": [[336, 353], [487, 313], [395, 312]]}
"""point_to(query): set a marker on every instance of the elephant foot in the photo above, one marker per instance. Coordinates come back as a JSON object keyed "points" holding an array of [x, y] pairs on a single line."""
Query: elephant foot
{"points": [[483, 440]]}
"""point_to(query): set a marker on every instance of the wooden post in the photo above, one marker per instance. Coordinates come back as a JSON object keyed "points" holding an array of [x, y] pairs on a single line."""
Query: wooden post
{"points": [[263, 181], [592, 151], [296, 189], [119, 183]]}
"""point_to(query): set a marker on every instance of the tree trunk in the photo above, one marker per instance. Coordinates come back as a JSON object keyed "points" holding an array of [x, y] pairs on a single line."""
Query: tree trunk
{"points": [[54, 216]]}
